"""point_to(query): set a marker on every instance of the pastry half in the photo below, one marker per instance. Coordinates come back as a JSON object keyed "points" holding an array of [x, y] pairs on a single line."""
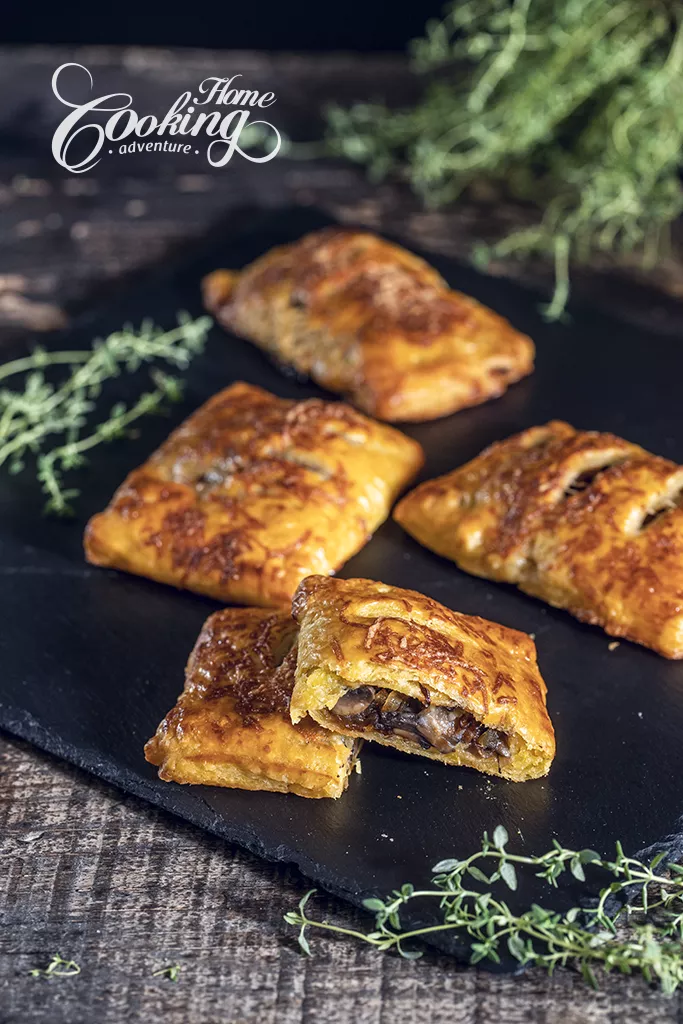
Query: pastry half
{"points": [[231, 725], [396, 667], [373, 322], [253, 493], [583, 520]]}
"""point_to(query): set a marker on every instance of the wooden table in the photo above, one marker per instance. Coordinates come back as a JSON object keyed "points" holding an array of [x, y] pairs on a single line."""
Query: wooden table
{"points": [[93, 874]]}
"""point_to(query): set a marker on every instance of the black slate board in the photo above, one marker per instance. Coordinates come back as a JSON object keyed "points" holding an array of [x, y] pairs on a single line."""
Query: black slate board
{"points": [[92, 659]]}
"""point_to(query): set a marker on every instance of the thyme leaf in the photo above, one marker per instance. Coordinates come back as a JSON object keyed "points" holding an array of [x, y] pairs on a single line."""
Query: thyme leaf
{"points": [[51, 424], [57, 968], [634, 925], [172, 972]]}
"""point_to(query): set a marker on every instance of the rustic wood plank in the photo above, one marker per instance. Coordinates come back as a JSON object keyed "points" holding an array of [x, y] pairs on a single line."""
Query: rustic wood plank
{"points": [[124, 889]]}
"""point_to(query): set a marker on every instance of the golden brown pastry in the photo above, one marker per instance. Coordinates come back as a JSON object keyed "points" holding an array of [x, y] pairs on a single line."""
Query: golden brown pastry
{"points": [[231, 725], [585, 521], [373, 322], [253, 493], [394, 666]]}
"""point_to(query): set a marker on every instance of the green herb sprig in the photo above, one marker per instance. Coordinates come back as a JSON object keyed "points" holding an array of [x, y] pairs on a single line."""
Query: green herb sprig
{"points": [[635, 925], [573, 106], [57, 968], [31, 419], [172, 972]]}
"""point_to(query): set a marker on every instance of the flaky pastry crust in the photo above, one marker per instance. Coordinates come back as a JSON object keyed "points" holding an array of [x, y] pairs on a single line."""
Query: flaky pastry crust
{"points": [[585, 521], [359, 633], [373, 322], [253, 493], [231, 725]]}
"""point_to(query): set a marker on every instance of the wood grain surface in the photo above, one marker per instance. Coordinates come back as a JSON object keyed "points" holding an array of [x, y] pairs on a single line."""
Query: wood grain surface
{"points": [[124, 890], [86, 871]]}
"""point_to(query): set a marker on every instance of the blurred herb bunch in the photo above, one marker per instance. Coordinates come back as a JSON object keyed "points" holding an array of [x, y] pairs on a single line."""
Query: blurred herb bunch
{"points": [[573, 105]]}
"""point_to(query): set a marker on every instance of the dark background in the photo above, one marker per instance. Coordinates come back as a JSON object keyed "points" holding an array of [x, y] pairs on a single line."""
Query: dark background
{"points": [[363, 25]]}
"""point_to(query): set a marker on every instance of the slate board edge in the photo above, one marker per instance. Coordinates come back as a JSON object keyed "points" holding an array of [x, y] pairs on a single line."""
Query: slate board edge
{"points": [[24, 726]]}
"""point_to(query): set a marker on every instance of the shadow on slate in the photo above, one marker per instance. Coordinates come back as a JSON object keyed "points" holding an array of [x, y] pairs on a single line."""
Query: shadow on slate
{"points": [[92, 659]]}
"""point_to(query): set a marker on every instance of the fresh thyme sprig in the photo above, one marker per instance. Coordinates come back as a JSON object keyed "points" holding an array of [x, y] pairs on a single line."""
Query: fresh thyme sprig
{"points": [[172, 972], [636, 923], [57, 968], [576, 108], [32, 417]]}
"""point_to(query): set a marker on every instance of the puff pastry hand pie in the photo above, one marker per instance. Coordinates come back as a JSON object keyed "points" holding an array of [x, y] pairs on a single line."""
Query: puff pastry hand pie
{"points": [[396, 667], [231, 725], [371, 321], [585, 521], [253, 493]]}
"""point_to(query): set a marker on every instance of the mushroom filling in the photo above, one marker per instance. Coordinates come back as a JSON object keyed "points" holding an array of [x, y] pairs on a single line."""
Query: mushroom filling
{"points": [[435, 726]]}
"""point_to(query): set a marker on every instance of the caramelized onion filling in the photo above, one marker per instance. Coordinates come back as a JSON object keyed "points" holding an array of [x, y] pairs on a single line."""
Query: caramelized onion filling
{"points": [[443, 728]]}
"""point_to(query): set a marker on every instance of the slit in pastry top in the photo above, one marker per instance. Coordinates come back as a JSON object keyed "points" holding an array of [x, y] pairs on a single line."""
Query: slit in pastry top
{"points": [[373, 322], [251, 494], [396, 667], [583, 520]]}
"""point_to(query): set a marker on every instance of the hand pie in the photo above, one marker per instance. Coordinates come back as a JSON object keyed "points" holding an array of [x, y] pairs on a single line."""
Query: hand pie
{"points": [[231, 725], [394, 666], [253, 493], [373, 322], [585, 521]]}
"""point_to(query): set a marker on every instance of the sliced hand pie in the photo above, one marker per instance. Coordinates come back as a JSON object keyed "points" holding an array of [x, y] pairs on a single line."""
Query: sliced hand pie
{"points": [[253, 493], [585, 521], [373, 322], [231, 725], [394, 666]]}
